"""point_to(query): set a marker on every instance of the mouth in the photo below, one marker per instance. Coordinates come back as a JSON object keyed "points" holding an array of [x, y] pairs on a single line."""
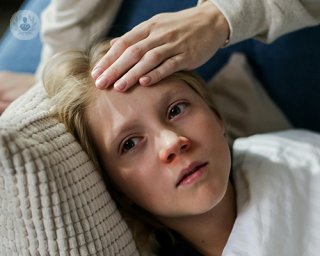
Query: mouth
{"points": [[195, 166]]}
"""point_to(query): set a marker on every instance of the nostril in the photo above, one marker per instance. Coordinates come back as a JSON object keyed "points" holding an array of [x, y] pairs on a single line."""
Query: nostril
{"points": [[183, 146]]}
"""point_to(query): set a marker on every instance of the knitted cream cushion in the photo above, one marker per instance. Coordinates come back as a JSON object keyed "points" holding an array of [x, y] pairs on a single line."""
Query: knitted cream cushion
{"points": [[52, 199]]}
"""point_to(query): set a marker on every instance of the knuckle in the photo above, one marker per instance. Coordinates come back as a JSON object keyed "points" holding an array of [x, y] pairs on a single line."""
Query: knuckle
{"points": [[156, 17], [170, 34], [172, 64], [134, 76], [151, 23], [157, 75], [104, 62], [153, 56], [122, 44], [135, 52], [113, 72], [139, 26]]}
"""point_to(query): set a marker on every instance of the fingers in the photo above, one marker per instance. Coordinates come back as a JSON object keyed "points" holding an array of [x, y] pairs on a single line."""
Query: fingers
{"points": [[149, 61], [167, 68], [119, 45], [127, 60], [114, 40]]}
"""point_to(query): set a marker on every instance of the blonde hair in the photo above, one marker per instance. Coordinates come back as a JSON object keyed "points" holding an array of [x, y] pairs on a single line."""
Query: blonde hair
{"points": [[68, 82]]}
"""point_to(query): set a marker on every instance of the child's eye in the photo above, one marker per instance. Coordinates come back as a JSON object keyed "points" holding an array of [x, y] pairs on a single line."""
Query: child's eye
{"points": [[177, 109], [129, 144]]}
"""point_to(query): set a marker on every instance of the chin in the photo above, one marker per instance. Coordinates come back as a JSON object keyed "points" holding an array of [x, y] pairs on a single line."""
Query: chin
{"points": [[210, 198]]}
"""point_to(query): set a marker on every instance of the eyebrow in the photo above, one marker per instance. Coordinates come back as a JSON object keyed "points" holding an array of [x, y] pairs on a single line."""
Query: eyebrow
{"points": [[131, 124]]}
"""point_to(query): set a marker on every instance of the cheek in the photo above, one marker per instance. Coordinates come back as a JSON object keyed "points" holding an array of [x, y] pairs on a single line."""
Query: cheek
{"points": [[139, 183], [208, 130], [148, 189]]}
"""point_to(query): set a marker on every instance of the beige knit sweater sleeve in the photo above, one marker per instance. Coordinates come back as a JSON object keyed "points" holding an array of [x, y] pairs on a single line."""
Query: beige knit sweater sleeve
{"points": [[266, 20], [74, 24]]}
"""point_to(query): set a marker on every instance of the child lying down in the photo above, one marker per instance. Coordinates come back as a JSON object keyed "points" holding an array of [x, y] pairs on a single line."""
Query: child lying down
{"points": [[163, 153]]}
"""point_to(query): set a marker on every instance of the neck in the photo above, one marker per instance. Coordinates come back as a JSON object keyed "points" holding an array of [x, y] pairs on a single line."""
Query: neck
{"points": [[209, 232]]}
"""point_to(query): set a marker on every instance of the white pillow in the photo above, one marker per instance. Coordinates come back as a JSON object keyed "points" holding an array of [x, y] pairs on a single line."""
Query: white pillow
{"points": [[52, 199], [276, 180]]}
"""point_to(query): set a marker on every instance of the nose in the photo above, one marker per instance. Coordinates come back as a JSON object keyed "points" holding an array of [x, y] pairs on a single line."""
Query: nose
{"points": [[172, 145]]}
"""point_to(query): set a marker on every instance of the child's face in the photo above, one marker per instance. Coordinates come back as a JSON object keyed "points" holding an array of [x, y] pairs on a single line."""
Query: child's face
{"points": [[159, 144]]}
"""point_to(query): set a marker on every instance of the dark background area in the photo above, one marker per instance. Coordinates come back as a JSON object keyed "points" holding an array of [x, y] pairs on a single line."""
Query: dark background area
{"points": [[7, 9]]}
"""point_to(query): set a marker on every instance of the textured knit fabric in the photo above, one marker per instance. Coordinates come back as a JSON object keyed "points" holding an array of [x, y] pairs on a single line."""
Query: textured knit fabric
{"points": [[75, 23], [52, 199], [266, 20]]}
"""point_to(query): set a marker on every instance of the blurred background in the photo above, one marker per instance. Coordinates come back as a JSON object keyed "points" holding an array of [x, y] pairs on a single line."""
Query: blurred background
{"points": [[7, 9]]}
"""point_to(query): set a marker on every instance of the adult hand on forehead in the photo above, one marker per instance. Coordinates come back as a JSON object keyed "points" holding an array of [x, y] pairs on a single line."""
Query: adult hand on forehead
{"points": [[162, 45]]}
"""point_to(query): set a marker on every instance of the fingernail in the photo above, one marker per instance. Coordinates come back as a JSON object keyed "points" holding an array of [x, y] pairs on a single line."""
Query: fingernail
{"points": [[120, 84], [96, 73], [145, 79], [101, 82]]}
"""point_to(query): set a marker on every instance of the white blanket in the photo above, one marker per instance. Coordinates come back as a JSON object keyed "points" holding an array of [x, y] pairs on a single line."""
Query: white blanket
{"points": [[277, 180]]}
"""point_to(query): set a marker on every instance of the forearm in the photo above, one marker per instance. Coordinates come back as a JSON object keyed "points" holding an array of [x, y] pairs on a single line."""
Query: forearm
{"points": [[266, 20], [214, 16]]}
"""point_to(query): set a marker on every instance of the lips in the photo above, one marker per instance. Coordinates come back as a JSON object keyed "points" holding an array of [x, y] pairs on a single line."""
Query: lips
{"points": [[189, 170]]}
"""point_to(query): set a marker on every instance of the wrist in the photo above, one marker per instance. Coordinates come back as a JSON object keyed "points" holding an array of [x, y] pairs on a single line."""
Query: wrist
{"points": [[218, 20]]}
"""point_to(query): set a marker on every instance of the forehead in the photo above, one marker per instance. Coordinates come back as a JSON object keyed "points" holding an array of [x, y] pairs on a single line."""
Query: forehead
{"points": [[116, 105], [112, 109]]}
